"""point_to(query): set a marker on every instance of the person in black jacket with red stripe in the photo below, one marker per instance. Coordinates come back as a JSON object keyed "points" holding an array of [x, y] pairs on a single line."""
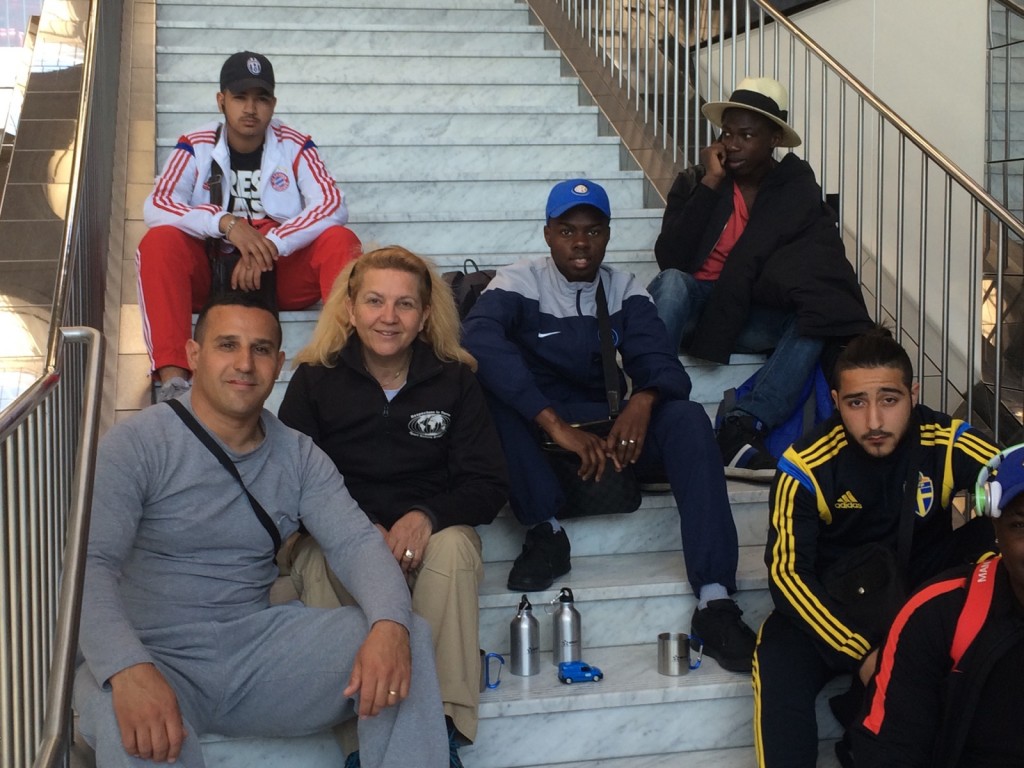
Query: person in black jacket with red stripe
{"points": [[949, 686]]}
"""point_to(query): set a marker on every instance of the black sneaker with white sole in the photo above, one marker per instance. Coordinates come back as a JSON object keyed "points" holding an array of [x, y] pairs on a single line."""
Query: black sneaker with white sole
{"points": [[741, 442], [724, 635]]}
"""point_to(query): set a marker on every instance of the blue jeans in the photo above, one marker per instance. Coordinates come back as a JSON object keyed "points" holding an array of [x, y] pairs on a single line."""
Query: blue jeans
{"points": [[680, 299]]}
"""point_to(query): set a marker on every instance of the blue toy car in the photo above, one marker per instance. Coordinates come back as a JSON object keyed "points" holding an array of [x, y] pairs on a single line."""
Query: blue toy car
{"points": [[578, 672]]}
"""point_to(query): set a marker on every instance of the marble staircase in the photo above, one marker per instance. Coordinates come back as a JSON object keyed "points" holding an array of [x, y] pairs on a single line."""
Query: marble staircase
{"points": [[446, 122]]}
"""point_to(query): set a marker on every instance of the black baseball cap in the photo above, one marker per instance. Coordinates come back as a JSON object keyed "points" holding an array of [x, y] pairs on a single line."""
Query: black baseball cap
{"points": [[245, 70]]}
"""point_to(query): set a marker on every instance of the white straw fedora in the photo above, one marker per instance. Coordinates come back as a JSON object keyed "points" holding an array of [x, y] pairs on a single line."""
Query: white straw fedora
{"points": [[763, 95]]}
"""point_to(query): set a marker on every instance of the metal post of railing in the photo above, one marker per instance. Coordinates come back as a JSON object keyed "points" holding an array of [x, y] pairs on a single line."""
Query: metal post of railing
{"points": [[666, 37], [57, 726], [973, 310], [879, 202], [859, 226], [997, 398], [922, 282], [947, 257], [901, 209]]}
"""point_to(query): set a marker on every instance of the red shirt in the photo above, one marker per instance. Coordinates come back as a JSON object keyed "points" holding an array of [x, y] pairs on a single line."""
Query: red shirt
{"points": [[711, 269]]}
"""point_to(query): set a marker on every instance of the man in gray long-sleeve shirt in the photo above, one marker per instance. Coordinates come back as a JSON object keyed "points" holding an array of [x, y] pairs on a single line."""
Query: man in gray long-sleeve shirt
{"points": [[178, 634]]}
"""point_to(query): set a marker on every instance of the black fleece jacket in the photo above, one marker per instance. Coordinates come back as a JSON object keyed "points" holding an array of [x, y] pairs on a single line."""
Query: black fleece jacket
{"points": [[433, 447], [789, 256]]}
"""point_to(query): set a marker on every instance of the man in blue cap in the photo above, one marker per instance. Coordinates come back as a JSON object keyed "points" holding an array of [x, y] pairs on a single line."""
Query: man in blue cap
{"points": [[534, 332]]}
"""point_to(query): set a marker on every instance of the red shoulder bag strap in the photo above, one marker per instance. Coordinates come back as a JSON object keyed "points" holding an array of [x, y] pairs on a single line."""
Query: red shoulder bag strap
{"points": [[976, 607]]}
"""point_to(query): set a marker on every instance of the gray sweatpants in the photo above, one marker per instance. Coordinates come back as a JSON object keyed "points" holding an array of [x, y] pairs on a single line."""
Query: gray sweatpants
{"points": [[278, 672]]}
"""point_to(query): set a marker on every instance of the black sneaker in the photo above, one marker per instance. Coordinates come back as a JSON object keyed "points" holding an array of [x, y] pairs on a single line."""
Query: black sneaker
{"points": [[544, 558], [741, 442], [725, 637]]}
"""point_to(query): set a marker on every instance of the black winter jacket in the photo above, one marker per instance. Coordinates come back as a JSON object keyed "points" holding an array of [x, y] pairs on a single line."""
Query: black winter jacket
{"points": [[830, 497], [790, 257], [433, 447], [920, 713]]}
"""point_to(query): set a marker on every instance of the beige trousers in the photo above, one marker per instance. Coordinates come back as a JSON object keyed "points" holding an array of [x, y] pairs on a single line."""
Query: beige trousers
{"points": [[445, 592]]}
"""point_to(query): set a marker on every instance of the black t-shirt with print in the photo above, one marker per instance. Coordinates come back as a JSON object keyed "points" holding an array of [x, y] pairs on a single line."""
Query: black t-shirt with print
{"points": [[244, 192]]}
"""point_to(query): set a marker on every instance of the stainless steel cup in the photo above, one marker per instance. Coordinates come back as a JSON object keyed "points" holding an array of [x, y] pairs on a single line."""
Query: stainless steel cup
{"points": [[674, 654]]}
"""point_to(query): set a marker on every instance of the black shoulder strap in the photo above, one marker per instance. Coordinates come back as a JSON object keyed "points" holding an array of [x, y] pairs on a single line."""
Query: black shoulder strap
{"points": [[216, 174], [207, 439], [611, 370]]}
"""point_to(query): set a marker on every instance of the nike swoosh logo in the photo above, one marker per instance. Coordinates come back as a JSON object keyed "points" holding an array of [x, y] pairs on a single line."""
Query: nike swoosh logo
{"points": [[545, 335]]}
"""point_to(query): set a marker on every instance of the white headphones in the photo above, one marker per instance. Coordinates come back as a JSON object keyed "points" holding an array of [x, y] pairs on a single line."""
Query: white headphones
{"points": [[987, 491]]}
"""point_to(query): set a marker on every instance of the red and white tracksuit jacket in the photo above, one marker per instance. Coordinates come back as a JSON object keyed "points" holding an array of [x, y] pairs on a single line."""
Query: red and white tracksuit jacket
{"points": [[303, 215], [296, 188]]}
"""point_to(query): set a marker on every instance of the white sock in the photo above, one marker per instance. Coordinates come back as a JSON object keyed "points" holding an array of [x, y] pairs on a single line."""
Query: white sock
{"points": [[711, 592], [555, 525]]}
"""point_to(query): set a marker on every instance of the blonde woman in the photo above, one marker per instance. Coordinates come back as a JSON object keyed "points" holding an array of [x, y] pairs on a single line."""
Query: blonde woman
{"points": [[386, 390]]}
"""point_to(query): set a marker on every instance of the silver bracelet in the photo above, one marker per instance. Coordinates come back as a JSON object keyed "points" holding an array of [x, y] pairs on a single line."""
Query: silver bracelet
{"points": [[231, 225]]}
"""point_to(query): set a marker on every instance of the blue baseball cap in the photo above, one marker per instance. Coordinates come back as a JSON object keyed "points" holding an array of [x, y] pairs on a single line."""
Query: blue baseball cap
{"points": [[1010, 476], [568, 194]]}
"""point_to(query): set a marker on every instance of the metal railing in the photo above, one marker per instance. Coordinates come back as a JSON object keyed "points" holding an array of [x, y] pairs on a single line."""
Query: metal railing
{"points": [[929, 244], [48, 433], [47, 489]]}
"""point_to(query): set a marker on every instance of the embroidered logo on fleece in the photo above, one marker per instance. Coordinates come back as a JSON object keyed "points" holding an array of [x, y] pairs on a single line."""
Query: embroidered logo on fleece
{"points": [[848, 501], [429, 424]]}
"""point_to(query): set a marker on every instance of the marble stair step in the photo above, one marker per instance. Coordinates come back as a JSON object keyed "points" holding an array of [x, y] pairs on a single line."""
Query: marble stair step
{"points": [[633, 710], [195, 37], [736, 757], [566, 124], [422, 195], [477, 234], [624, 599], [633, 714], [311, 16], [654, 527], [459, 95], [295, 71], [395, 163]]}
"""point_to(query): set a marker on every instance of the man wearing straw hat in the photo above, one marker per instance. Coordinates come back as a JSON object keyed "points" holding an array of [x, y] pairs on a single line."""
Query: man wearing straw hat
{"points": [[752, 261]]}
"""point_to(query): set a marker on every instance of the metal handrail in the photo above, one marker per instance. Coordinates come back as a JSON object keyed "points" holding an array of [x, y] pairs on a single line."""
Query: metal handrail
{"points": [[933, 153], [1012, 5], [57, 725]]}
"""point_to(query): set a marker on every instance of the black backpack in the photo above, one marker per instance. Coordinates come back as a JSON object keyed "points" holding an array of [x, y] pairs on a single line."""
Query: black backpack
{"points": [[467, 285]]}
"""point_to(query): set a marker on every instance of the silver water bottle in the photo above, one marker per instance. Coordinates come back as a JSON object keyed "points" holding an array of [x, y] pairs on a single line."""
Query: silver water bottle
{"points": [[567, 637], [525, 631]]}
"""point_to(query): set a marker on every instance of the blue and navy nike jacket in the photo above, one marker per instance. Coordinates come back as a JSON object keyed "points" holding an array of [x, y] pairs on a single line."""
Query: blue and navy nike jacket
{"points": [[536, 339]]}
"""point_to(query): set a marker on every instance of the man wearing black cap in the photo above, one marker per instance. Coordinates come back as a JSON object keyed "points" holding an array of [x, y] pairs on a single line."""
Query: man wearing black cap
{"points": [[535, 334], [753, 262], [249, 189]]}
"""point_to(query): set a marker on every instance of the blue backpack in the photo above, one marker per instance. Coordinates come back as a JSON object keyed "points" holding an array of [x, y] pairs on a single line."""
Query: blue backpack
{"points": [[815, 407]]}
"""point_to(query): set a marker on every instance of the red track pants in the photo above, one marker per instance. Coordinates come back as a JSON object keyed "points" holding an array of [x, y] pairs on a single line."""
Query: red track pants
{"points": [[174, 282]]}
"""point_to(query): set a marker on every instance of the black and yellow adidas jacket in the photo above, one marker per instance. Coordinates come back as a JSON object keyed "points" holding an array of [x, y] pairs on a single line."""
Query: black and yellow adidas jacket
{"points": [[830, 496]]}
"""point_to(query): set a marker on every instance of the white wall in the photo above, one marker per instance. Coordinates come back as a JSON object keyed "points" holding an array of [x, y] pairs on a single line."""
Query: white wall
{"points": [[926, 59]]}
